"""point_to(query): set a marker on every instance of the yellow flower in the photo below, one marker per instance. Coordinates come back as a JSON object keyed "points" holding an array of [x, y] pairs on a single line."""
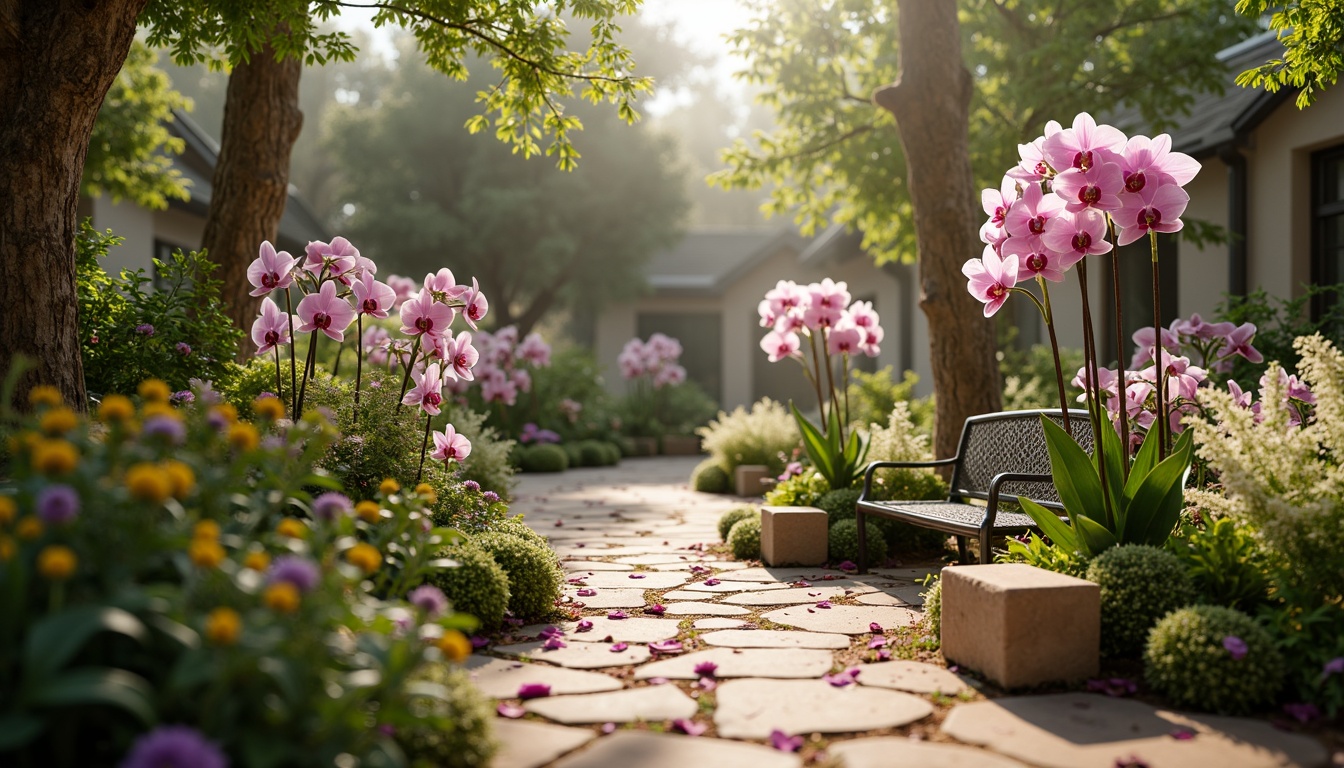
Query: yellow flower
{"points": [[257, 561], [8, 510], [58, 421], [222, 626], [206, 553], [45, 394], [389, 487], [369, 511], [154, 391], [454, 645], [7, 547], [228, 411], [148, 482], [292, 528], [161, 409], [281, 596], [365, 556], [54, 457], [268, 408], [29, 528], [426, 492], [206, 530], [181, 477], [116, 408], [243, 436], [56, 563]]}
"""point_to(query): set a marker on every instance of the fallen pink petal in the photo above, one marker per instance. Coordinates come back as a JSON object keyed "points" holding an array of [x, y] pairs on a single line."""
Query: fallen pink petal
{"points": [[656, 609], [658, 681], [688, 727], [877, 642], [511, 711], [666, 646], [638, 575], [619, 647], [608, 727], [706, 684], [553, 644], [617, 615], [712, 582], [784, 742], [533, 690], [824, 604], [875, 628], [1182, 734], [551, 631], [584, 626], [706, 669], [586, 592], [848, 566], [801, 583]]}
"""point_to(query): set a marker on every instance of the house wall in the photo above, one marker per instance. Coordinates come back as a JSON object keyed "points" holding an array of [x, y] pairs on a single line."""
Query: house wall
{"points": [[130, 222]]}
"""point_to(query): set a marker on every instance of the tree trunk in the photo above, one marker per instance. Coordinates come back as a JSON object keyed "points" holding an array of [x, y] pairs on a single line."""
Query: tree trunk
{"points": [[251, 183], [930, 102], [57, 60]]}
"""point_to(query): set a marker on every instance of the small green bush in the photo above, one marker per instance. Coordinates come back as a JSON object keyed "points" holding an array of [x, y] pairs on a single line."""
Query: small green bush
{"points": [[844, 542], [1139, 584], [543, 458], [709, 477], [839, 504], [1188, 661], [478, 585], [535, 577], [758, 436], [1225, 565], [730, 518], [933, 610], [592, 454], [573, 454], [612, 453], [456, 730], [744, 538], [514, 526], [798, 491]]}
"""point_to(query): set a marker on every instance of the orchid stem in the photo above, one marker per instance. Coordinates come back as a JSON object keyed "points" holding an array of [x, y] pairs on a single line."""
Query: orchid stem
{"points": [[1096, 411], [1054, 350], [1163, 426], [293, 366], [307, 370], [1123, 410], [410, 364], [816, 365], [279, 392], [359, 361], [424, 445]]}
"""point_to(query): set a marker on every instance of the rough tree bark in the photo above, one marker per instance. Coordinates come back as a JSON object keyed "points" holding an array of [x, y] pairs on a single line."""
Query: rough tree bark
{"points": [[251, 182], [57, 60], [930, 102]]}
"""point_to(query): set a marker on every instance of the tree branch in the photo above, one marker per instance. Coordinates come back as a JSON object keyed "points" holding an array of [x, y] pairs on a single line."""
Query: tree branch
{"points": [[825, 145]]}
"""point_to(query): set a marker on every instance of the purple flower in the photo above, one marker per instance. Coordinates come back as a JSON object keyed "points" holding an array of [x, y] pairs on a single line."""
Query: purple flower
{"points": [[332, 505], [145, 329], [688, 727], [165, 427], [637, 575], [490, 496], [174, 745], [471, 485], [784, 742], [706, 669], [299, 571], [429, 599], [533, 690], [666, 646], [553, 644], [58, 504], [183, 397], [183, 348], [1236, 647], [1334, 666], [656, 609], [217, 421], [619, 647], [1302, 713], [614, 615], [875, 628], [711, 582], [584, 625]]}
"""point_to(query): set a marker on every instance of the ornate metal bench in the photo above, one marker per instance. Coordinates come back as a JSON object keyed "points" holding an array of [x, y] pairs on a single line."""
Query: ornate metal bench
{"points": [[1000, 456]]}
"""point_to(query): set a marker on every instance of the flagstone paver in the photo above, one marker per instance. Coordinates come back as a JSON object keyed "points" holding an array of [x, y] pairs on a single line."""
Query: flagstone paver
{"points": [[912, 676], [739, 662], [775, 638], [720, 624], [608, 598], [636, 629], [813, 594], [640, 580], [527, 744], [652, 702], [578, 567], [704, 609], [751, 709], [907, 595], [642, 749], [580, 655], [886, 751], [845, 619], [501, 678], [714, 565], [728, 585]]}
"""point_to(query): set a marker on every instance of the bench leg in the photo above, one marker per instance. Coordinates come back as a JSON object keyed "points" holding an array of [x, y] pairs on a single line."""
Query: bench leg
{"points": [[984, 548], [961, 550], [863, 541]]}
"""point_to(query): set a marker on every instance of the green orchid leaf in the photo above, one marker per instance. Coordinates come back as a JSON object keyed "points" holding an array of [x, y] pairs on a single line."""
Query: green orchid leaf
{"points": [[113, 687], [1115, 470], [1144, 462], [1050, 524], [816, 445], [1075, 478], [1157, 503], [17, 730], [1095, 537], [56, 639]]}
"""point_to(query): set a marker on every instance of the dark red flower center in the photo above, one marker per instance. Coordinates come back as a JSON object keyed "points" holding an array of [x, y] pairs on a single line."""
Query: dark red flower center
{"points": [[433, 398], [999, 213], [270, 280], [1082, 241], [1089, 195], [272, 338], [322, 320], [1036, 262], [1042, 169], [369, 306], [1149, 217], [474, 312], [424, 324], [1135, 182], [1036, 225], [1083, 160]]}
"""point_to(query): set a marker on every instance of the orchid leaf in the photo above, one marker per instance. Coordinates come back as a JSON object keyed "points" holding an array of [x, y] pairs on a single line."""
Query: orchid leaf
{"points": [[1095, 537], [816, 445], [1115, 470], [1074, 476], [1157, 503], [115, 687], [56, 639], [1050, 524], [1144, 462]]}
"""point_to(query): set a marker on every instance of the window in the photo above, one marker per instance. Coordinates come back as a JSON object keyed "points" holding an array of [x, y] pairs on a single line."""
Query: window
{"points": [[163, 252], [701, 340], [1327, 213]]}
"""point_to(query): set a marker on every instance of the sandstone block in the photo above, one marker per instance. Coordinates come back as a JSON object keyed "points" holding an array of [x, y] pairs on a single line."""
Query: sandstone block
{"points": [[750, 479], [793, 536], [1019, 625]]}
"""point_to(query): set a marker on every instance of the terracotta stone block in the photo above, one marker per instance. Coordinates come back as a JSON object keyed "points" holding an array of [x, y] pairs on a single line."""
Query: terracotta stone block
{"points": [[793, 536], [681, 445], [1019, 625], [751, 479]]}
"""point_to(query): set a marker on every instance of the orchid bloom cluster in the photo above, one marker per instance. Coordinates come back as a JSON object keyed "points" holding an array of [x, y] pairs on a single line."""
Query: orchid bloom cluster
{"points": [[656, 358], [505, 363]]}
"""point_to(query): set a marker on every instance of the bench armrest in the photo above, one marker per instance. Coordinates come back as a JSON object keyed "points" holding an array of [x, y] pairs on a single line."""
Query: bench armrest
{"points": [[1008, 477], [876, 465]]}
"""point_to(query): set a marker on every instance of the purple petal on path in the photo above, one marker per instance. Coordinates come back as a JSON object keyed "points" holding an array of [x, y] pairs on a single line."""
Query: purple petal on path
{"points": [[1235, 647], [618, 647], [712, 582], [1182, 734], [689, 727], [584, 626], [657, 609], [706, 684], [586, 592], [875, 628], [637, 575], [666, 646], [533, 690], [575, 581], [824, 604], [479, 642], [784, 742], [617, 615], [839, 679], [848, 566], [884, 655], [559, 523], [813, 594], [829, 577], [658, 681], [1133, 761], [511, 711], [802, 583], [551, 631], [877, 642], [608, 727], [553, 644], [706, 669]]}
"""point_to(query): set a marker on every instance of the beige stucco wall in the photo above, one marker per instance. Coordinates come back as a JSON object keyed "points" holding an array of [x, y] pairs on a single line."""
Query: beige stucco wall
{"points": [[180, 229], [130, 222], [1202, 273]]}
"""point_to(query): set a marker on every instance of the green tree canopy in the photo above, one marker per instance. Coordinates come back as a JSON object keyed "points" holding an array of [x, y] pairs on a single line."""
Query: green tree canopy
{"points": [[1312, 33]]}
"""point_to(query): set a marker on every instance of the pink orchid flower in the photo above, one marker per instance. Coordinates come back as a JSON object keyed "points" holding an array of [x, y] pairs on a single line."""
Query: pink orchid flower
{"points": [[450, 445], [460, 356], [428, 390], [336, 257], [1239, 343], [423, 315], [1157, 208], [1108, 379], [1144, 161], [535, 350], [991, 279], [863, 314], [871, 345], [1035, 260], [271, 328], [1145, 342], [404, 287], [1032, 211], [829, 294], [1033, 168], [1241, 399], [1098, 187], [326, 312], [499, 391], [474, 305], [443, 285], [786, 297], [521, 379], [669, 376], [372, 297], [1083, 146], [1183, 379], [998, 202], [1083, 232], [844, 339], [271, 270]]}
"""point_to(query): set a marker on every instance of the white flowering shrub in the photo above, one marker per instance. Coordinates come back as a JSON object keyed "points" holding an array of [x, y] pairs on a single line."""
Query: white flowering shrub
{"points": [[758, 436]]}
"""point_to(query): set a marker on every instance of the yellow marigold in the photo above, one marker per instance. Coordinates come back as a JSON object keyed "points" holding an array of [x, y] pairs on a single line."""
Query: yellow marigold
{"points": [[56, 562], [29, 528], [222, 626], [369, 511], [45, 394], [454, 645], [181, 477], [161, 409], [206, 530], [281, 596], [54, 457], [292, 527], [148, 482], [365, 556], [268, 408], [117, 408], [206, 553], [228, 411], [8, 510], [154, 391], [58, 421], [426, 492], [244, 436], [7, 548], [257, 561], [389, 487]]}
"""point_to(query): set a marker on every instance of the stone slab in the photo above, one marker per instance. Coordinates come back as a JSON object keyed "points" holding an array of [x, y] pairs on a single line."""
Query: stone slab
{"points": [[749, 479], [527, 744], [720, 624], [793, 536], [908, 574], [664, 559], [886, 751], [731, 586], [775, 638], [681, 594], [653, 702], [785, 663], [1081, 730], [908, 595], [500, 678], [645, 749], [579, 655], [647, 580], [912, 676], [577, 567], [716, 566], [751, 709], [782, 575], [636, 629], [609, 598], [704, 609], [845, 619], [793, 596]]}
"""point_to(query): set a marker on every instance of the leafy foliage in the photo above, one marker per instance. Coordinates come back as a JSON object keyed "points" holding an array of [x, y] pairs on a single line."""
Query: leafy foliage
{"points": [[798, 491], [454, 730], [1139, 584], [1312, 34], [744, 538], [873, 396], [1310, 635], [843, 542], [1188, 662], [838, 460], [730, 518], [1225, 564], [1279, 323], [478, 586], [762, 435], [1042, 554], [709, 477], [534, 572], [1029, 376], [542, 458], [901, 440]]}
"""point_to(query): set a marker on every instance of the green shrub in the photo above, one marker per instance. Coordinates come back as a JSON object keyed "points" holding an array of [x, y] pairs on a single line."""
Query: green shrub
{"points": [[573, 454], [477, 586], [543, 458], [901, 440], [489, 464], [382, 442], [798, 491], [1224, 562], [744, 538], [535, 577], [1310, 636], [462, 504], [1029, 375], [758, 436], [839, 504], [456, 730], [1139, 584], [873, 396], [612, 453], [1035, 551], [730, 518], [514, 526], [592, 454], [1189, 661], [933, 610], [843, 542], [709, 477]]}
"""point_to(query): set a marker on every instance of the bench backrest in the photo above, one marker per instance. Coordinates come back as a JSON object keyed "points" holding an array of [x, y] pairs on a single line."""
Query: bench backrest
{"points": [[1011, 441]]}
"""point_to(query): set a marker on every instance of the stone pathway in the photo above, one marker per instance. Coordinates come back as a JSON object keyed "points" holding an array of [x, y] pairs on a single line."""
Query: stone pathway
{"points": [[745, 665]]}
